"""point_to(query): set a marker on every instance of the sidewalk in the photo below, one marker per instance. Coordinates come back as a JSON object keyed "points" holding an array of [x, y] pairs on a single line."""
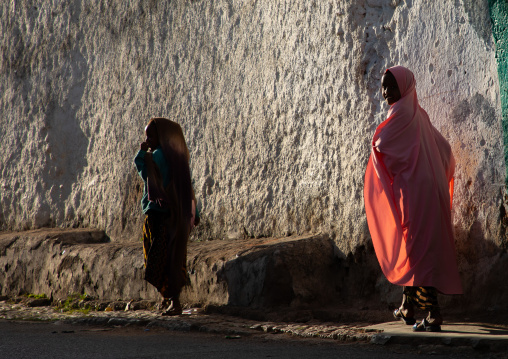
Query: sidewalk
{"points": [[477, 336]]}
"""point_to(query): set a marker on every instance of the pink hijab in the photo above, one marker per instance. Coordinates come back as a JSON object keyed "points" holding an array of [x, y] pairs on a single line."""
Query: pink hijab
{"points": [[408, 193]]}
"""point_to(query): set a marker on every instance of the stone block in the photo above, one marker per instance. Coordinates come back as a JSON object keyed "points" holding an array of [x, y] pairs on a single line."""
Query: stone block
{"points": [[256, 273]]}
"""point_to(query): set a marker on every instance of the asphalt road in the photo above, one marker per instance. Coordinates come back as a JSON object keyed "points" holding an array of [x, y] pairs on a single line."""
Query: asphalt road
{"points": [[53, 340]]}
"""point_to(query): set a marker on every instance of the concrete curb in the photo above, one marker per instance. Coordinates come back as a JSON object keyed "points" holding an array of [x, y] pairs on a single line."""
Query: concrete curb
{"points": [[192, 321], [479, 336]]}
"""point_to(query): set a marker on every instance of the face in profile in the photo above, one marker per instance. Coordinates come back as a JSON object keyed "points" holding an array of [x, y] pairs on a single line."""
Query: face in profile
{"points": [[152, 138], [389, 88]]}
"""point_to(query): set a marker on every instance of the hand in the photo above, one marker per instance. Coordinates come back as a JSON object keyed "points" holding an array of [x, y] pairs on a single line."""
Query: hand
{"points": [[144, 146]]}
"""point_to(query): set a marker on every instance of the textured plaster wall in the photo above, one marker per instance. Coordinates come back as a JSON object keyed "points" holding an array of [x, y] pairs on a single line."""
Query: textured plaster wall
{"points": [[278, 101]]}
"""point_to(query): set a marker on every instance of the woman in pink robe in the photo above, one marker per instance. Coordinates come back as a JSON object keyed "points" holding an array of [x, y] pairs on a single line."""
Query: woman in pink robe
{"points": [[408, 194]]}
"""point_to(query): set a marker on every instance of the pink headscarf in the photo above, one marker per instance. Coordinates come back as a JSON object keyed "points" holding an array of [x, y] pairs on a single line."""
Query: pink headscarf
{"points": [[408, 193]]}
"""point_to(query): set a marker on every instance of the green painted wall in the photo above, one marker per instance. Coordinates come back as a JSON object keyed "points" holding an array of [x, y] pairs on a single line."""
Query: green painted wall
{"points": [[499, 17]]}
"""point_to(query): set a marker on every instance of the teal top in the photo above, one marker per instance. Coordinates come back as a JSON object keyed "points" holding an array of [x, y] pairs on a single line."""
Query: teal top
{"points": [[160, 161]]}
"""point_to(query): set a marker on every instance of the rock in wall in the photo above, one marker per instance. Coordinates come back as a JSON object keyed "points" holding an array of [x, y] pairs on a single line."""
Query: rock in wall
{"points": [[278, 102]]}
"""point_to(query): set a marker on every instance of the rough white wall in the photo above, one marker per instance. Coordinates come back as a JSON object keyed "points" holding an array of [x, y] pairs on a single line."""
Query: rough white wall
{"points": [[278, 101]]}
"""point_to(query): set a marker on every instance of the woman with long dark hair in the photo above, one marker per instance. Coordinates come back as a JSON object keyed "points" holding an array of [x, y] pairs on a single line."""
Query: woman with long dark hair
{"points": [[169, 206]]}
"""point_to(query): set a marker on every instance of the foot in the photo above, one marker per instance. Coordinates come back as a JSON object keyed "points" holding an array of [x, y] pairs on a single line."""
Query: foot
{"points": [[172, 311], [405, 315], [425, 326], [175, 308], [435, 318]]}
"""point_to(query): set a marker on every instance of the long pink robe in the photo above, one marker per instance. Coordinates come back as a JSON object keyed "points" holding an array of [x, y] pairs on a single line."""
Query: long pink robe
{"points": [[408, 194]]}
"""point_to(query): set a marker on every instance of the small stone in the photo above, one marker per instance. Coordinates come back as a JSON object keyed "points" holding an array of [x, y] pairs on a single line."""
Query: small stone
{"points": [[101, 306], [128, 306], [267, 328], [256, 327], [39, 302], [380, 339], [232, 337], [447, 341]]}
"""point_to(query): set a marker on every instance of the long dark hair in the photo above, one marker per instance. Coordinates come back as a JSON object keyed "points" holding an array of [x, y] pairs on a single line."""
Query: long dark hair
{"points": [[178, 194]]}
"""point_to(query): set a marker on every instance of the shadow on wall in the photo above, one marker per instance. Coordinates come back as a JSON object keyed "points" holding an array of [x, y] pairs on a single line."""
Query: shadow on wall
{"points": [[478, 16], [482, 266], [48, 78], [309, 275], [303, 274], [66, 156]]}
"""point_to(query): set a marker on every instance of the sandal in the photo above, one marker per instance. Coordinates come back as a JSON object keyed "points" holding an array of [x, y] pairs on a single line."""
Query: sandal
{"points": [[172, 311], [424, 326], [175, 308], [397, 314]]}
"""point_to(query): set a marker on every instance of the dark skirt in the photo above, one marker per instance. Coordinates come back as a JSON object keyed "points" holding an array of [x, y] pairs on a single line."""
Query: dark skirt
{"points": [[165, 252], [424, 298]]}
